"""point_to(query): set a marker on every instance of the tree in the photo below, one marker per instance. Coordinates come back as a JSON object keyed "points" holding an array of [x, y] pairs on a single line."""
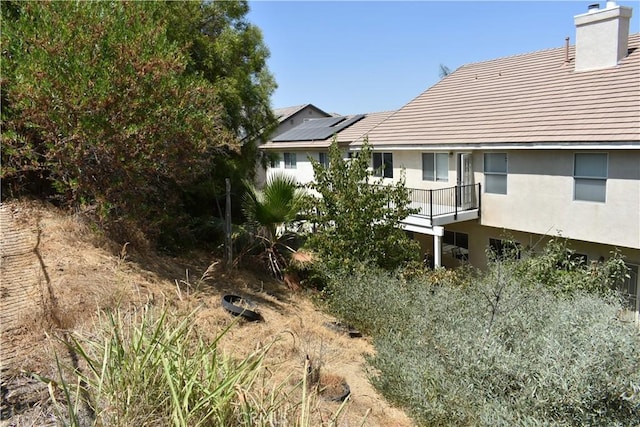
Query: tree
{"points": [[357, 218], [268, 210], [99, 101], [229, 52]]}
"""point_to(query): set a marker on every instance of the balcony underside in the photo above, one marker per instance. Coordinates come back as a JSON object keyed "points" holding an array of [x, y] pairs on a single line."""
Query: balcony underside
{"points": [[424, 224]]}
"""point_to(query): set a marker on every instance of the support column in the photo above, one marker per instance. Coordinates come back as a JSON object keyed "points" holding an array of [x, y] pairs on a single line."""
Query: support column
{"points": [[438, 232]]}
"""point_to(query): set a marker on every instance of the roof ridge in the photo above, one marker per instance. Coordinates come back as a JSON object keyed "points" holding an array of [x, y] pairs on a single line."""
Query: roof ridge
{"points": [[501, 58], [533, 52]]}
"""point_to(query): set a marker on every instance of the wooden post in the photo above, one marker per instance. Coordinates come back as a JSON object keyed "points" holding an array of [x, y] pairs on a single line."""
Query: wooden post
{"points": [[228, 244]]}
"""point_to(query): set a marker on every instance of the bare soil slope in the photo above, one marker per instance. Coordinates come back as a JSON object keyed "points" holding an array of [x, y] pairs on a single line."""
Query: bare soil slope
{"points": [[57, 274]]}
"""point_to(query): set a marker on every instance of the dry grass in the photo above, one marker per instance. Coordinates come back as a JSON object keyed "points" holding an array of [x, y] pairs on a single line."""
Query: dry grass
{"points": [[85, 273]]}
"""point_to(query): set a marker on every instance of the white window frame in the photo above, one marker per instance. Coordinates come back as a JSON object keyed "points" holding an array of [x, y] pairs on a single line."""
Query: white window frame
{"points": [[323, 159], [290, 161], [584, 184], [630, 291], [435, 174], [493, 178], [457, 243], [274, 162], [501, 247], [382, 164]]}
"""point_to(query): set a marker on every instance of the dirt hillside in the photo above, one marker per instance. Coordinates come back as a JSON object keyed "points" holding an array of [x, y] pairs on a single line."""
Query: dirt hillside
{"points": [[57, 273]]}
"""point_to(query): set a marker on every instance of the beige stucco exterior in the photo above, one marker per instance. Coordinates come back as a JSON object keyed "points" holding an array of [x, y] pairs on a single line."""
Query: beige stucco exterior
{"points": [[303, 172], [540, 201], [540, 198], [601, 37]]}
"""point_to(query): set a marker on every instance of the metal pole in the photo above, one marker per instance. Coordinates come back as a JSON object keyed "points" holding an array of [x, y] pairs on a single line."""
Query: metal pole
{"points": [[455, 215], [431, 206], [227, 228]]}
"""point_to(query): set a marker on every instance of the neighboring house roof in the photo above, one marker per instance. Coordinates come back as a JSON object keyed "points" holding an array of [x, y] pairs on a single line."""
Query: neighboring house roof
{"points": [[317, 129], [319, 133], [285, 113], [534, 98]]}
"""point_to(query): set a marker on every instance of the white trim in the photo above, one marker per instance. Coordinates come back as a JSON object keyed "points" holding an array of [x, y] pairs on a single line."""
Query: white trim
{"points": [[506, 146]]}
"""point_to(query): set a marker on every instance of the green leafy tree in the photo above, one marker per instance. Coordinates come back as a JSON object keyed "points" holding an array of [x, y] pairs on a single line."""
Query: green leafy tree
{"points": [[357, 218], [268, 211], [228, 51], [558, 268], [97, 101]]}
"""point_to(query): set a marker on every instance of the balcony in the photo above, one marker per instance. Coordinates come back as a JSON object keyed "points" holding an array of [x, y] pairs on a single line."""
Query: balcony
{"points": [[443, 206]]}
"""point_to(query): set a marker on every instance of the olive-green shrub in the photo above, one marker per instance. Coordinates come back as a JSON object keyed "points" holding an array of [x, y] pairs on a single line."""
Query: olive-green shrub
{"points": [[494, 352]]}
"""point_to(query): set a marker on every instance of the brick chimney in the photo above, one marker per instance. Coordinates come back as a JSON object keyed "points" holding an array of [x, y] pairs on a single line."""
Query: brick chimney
{"points": [[602, 36]]}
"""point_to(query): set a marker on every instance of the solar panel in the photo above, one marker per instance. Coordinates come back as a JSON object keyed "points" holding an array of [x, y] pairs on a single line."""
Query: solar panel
{"points": [[351, 121], [317, 129]]}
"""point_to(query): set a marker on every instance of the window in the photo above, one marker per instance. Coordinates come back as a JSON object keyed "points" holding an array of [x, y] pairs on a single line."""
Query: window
{"points": [[629, 289], [274, 162], [323, 158], [590, 177], [435, 167], [290, 160], [571, 260], [383, 165], [457, 244], [578, 259], [504, 249], [495, 173]]}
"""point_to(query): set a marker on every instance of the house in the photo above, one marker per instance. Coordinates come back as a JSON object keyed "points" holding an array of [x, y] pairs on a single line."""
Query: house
{"points": [[288, 118], [311, 139], [527, 147], [522, 148]]}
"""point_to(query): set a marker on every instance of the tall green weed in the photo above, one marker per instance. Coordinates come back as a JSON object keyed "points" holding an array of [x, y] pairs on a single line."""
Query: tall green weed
{"points": [[149, 368]]}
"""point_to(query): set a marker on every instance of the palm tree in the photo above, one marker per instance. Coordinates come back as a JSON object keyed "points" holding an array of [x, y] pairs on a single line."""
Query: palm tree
{"points": [[268, 211]]}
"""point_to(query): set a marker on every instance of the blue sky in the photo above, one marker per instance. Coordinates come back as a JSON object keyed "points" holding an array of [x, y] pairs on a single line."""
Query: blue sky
{"points": [[353, 57]]}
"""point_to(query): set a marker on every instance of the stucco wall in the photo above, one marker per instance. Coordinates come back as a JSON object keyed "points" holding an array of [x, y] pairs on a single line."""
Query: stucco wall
{"points": [[479, 242], [540, 199], [412, 163], [303, 171]]}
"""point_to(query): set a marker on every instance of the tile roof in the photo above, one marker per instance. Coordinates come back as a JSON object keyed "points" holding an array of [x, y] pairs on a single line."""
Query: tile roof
{"points": [[359, 130], [284, 113], [302, 135], [530, 98]]}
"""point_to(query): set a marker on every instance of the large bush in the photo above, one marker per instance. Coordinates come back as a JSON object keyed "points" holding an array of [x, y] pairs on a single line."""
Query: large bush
{"points": [[356, 218], [492, 352], [98, 103], [130, 106]]}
